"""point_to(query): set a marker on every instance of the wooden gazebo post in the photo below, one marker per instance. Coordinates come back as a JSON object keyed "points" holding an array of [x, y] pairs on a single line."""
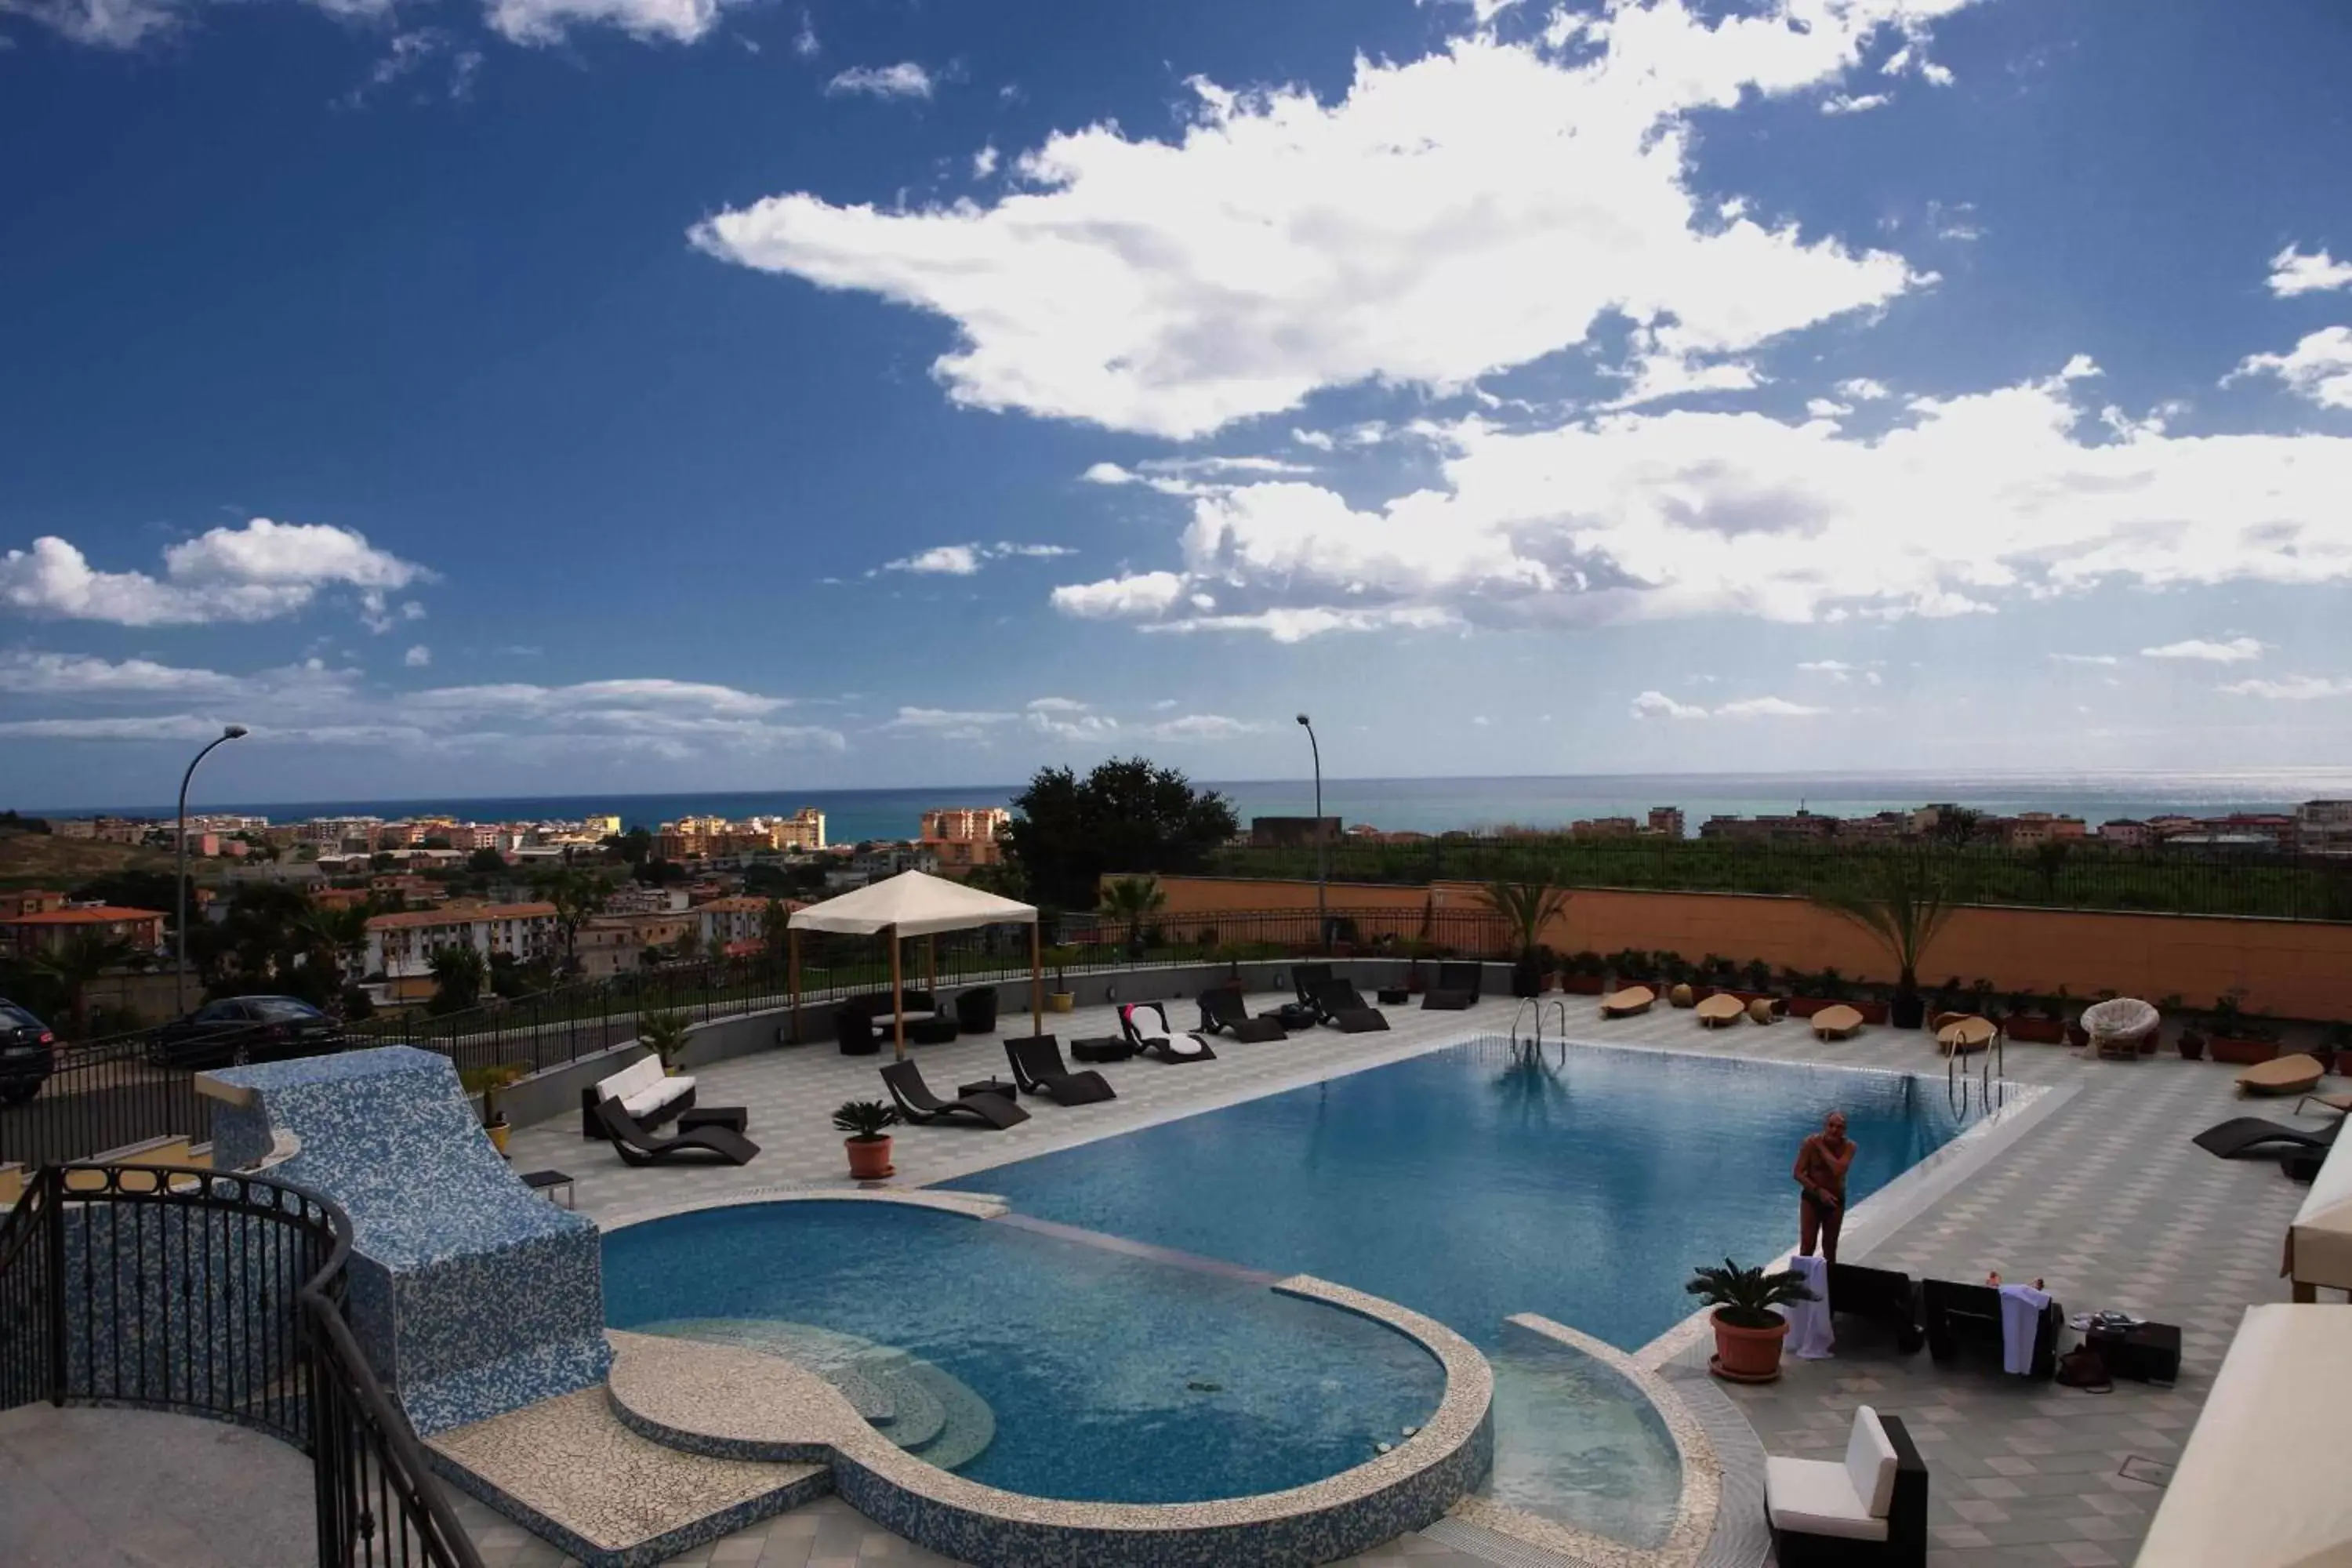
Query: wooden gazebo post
{"points": [[898, 997], [931, 966], [1036, 983], [792, 977]]}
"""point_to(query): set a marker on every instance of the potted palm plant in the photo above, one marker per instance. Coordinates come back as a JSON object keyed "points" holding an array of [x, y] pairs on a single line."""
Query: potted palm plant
{"points": [[666, 1034], [1904, 899], [2237, 1037], [1748, 1331], [1525, 908], [487, 1081], [1584, 974], [1060, 999], [866, 1121]]}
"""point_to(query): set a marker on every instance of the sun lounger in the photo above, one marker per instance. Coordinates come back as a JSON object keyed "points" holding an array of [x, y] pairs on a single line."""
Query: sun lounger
{"points": [[1627, 1002], [1959, 1033], [1883, 1296], [1038, 1069], [1456, 989], [637, 1147], [1836, 1023], [919, 1105], [1870, 1508], [2238, 1138], [1221, 1007], [1719, 1010], [2340, 1103], [1193, 1048], [1305, 978], [1344, 1008], [1956, 1313], [2297, 1074]]}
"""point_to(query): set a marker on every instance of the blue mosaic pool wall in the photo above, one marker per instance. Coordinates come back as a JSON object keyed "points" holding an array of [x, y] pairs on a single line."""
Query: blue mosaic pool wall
{"points": [[470, 1293]]}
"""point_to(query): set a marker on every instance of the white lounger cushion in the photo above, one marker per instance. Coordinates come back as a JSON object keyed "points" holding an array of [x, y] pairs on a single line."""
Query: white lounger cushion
{"points": [[642, 1087], [1814, 1496]]}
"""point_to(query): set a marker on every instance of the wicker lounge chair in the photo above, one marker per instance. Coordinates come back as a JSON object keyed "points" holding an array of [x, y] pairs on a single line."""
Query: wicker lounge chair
{"points": [[1627, 1002], [1305, 978], [919, 1105], [1837, 1022], [1164, 1045], [1221, 1007], [976, 1010], [2297, 1074], [2121, 1027], [1344, 1008], [1038, 1069], [854, 1027], [637, 1147], [1960, 1034], [1719, 1010], [1456, 989]]}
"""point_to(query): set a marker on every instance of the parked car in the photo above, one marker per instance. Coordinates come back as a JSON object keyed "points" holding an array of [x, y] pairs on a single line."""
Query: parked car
{"points": [[244, 1029], [26, 1053]]}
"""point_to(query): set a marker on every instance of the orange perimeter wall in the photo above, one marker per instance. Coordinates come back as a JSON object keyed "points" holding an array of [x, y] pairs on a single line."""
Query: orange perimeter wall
{"points": [[2294, 969]]}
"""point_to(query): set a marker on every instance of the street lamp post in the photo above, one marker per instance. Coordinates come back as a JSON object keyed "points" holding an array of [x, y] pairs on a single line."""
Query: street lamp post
{"points": [[1322, 877], [180, 929]]}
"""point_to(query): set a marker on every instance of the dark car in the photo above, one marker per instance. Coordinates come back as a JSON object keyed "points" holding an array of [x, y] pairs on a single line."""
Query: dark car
{"points": [[27, 1047], [244, 1029]]}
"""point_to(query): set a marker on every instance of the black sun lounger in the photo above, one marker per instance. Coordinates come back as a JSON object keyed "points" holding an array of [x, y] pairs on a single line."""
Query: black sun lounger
{"points": [[1305, 978], [637, 1147], [1190, 1048], [1221, 1007], [919, 1105], [1343, 1006], [1883, 1296], [1456, 989], [2241, 1136], [1038, 1069]]}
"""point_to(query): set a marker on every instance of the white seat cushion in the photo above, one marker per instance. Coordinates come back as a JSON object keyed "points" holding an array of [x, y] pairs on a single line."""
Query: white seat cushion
{"points": [[1870, 1463], [1813, 1497], [651, 1099], [635, 1079]]}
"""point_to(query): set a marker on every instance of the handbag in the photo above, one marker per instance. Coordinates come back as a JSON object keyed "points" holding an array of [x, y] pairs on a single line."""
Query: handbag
{"points": [[2085, 1369]]}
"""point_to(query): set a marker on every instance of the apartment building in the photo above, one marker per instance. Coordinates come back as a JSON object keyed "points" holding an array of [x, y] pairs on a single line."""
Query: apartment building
{"points": [[46, 926], [1666, 821], [735, 925], [2126, 833], [2029, 829], [2324, 827], [401, 947], [610, 944]]}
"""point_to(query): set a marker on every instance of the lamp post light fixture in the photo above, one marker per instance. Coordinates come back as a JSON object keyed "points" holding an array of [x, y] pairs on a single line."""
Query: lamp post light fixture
{"points": [[180, 927], [1322, 875]]}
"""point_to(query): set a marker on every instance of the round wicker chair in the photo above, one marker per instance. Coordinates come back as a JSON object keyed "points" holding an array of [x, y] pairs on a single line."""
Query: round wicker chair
{"points": [[2121, 1027]]}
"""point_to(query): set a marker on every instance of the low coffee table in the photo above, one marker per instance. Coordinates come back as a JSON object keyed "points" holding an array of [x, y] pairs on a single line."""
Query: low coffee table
{"points": [[1394, 997], [989, 1086], [734, 1118], [550, 1183]]}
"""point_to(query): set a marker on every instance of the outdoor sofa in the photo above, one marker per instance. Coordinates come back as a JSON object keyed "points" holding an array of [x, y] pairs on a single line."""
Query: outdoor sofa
{"points": [[650, 1096], [1869, 1507]]}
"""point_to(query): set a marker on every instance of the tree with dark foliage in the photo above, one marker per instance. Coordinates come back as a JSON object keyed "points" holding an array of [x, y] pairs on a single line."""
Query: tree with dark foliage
{"points": [[1126, 816]]}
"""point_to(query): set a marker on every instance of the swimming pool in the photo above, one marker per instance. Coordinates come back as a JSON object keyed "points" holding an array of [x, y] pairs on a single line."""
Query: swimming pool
{"points": [[1105, 1376]]}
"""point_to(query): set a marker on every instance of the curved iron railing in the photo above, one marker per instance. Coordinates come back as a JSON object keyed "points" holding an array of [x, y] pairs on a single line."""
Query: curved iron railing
{"points": [[218, 1295]]}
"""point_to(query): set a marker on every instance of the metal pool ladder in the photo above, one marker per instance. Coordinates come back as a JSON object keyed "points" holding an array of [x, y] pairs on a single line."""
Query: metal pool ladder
{"points": [[1988, 1088], [1539, 1005]]}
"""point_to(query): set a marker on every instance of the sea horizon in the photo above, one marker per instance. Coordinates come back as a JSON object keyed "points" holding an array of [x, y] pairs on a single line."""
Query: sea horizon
{"points": [[1428, 805]]}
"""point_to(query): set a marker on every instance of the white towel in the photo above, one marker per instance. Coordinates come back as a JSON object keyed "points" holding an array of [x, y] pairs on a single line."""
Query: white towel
{"points": [[2020, 1319], [1810, 1337]]}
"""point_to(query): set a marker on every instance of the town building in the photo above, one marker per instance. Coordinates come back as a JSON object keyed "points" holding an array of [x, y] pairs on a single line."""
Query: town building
{"points": [[2324, 827], [399, 947], [2029, 829], [47, 926], [2126, 833], [1604, 828], [735, 925], [1291, 832], [964, 837], [1666, 821]]}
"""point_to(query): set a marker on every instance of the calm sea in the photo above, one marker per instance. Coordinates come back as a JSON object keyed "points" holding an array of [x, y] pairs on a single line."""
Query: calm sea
{"points": [[1428, 805]]}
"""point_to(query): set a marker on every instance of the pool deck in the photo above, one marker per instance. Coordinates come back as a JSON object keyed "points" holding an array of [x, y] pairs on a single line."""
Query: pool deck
{"points": [[2097, 1190]]}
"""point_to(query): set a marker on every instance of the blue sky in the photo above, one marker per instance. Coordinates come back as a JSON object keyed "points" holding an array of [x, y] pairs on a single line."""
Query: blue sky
{"points": [[579, 394]]}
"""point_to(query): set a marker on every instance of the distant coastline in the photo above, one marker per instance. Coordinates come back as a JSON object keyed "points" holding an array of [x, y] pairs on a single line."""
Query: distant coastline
{"points": [[1419, 805]]}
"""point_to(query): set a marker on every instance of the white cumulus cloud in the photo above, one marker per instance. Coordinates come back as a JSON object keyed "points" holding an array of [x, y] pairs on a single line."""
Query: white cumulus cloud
{"points": [[1767, 707], [2294, 689], [256, 573], [547, 21], [1658, 705], [1449, 216], [905, 80], [417, 657], [2295, 272], [2318, 368]]}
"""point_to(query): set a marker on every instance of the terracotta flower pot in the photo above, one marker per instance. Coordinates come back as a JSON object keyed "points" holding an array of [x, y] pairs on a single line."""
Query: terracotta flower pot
{"points": [[869, 1158], [2242, 1053], [1748, 1355], [1581, 985], [2039, 1031]]}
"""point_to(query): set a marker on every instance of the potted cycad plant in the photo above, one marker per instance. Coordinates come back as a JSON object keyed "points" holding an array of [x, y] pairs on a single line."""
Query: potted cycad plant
{"points": [[868, 1122], [1060, 999], [1748, 1331], [2237, 1037], [487, 1081]]}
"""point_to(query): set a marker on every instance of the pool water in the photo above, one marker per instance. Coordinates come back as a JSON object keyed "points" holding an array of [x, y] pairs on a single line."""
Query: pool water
{"points": [[1108, 1377], [1484, 1180]]}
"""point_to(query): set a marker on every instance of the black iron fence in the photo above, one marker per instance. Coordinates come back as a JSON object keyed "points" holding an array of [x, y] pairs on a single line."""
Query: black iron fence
{"points": [[218, 1296], [2167, 880]]}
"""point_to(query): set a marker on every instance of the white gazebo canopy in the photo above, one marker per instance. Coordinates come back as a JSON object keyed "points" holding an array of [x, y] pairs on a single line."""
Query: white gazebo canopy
{"points": [[915, 905], [2260, 1483], [912, 904], [2319, 1242]]}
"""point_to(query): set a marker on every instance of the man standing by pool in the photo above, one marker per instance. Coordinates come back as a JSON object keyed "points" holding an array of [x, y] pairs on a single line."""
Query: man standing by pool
{"points": [[1822, 1162]]}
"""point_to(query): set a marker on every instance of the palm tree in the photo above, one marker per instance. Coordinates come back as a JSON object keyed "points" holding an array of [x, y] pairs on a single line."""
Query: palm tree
{"points": [[576, 895], [458, 975], [1903, 899], [333, 938], [1133, 899], [74, 963], [1525, 908]]}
